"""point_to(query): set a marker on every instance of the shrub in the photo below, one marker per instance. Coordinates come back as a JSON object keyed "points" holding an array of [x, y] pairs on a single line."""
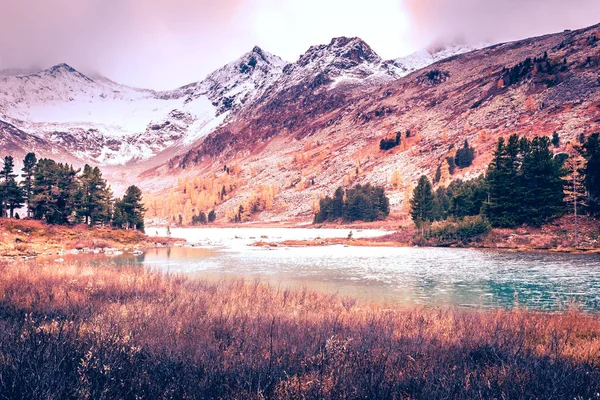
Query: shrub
{"points": [[464, 231], [76, 331], [387, 144]]}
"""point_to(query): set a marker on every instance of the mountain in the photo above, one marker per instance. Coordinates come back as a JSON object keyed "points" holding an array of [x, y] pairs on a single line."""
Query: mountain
{"points": [[97, 120], [107, 123], [236, 84], [306, 127], [312, 135], [17, 143], [343, 60]]}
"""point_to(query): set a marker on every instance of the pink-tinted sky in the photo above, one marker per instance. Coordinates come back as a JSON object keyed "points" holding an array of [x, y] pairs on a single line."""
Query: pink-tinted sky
{"points": [[167, 43]]}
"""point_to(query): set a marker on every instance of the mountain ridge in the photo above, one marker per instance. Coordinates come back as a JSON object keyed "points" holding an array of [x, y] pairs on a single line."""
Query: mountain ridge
{"points": [[96, 121]]}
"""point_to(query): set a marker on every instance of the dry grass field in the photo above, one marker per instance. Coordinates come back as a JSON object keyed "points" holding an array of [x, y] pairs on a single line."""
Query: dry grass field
{"points": [[77, 331]]}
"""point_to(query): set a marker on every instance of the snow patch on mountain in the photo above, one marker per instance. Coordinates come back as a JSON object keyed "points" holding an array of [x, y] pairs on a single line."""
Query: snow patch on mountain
{"points": [[424, 58]]}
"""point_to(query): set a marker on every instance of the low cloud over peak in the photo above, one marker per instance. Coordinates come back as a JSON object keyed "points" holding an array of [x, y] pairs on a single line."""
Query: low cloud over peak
{"points": [[163, 44]]}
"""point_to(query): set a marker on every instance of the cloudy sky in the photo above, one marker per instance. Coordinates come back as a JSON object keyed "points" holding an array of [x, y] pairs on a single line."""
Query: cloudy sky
{"points": [[163, 44]]}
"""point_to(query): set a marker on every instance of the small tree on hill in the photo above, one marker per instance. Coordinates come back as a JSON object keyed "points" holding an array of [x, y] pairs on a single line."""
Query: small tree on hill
{"points": [[212, 216], [464, 156], [555, 139]]}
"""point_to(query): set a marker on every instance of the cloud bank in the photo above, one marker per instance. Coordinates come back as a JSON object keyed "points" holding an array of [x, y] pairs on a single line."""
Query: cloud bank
{"points": [[167, 43], [497, 21]]}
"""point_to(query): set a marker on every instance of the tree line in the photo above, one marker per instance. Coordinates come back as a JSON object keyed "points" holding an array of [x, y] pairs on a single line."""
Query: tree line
{"points": [[525, 184], [58, 194], [363, 202]]}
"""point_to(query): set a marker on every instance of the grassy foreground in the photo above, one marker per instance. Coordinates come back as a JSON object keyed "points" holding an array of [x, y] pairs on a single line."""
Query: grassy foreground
{"points": [[72, 331]]}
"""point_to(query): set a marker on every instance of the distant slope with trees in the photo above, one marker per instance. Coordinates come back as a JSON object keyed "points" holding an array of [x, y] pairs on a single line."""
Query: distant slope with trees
{"points": [[526, 184]]}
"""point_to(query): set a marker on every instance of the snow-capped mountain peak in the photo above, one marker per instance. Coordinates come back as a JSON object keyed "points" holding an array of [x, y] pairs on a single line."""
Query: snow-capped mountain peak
{"points": [[61, 70], [342, 61], [103, 121], [237, 83], [341, 52]]}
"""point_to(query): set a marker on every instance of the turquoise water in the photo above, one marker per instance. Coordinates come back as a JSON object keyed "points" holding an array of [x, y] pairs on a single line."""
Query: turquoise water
{"points": [[411, 276]]}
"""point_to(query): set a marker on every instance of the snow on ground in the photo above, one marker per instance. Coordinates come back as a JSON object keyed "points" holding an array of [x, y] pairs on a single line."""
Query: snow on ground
{"points": [[240, 238], [424, 58]]}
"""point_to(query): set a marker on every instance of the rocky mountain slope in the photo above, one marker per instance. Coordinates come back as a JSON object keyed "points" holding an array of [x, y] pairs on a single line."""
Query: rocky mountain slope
{"points": [[314, 134], [97, 120]]}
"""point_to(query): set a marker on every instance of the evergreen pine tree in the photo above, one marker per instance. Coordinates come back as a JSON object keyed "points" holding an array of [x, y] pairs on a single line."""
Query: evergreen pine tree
{"points": [[366, 203], [464, 156], [337, 205], [54, 191], [451, 165], [359, 208], [212, 216], [555, 139], [42, 203], [119, 219], [67, 186], [441, 204], [591, 152], [502, 178], [28, 169], [94, 197], [12, 194], [6, 174], [541, 176], [468, 198], [130, 210], [438, 174], [422, 202]]}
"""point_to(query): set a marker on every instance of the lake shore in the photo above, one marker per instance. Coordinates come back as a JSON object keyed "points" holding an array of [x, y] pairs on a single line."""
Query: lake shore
{"points": [[556, 236], [29, 238]]}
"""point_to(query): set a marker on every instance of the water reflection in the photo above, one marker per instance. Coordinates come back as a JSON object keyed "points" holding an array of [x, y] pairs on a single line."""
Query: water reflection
{"points": [[460, 277]]}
